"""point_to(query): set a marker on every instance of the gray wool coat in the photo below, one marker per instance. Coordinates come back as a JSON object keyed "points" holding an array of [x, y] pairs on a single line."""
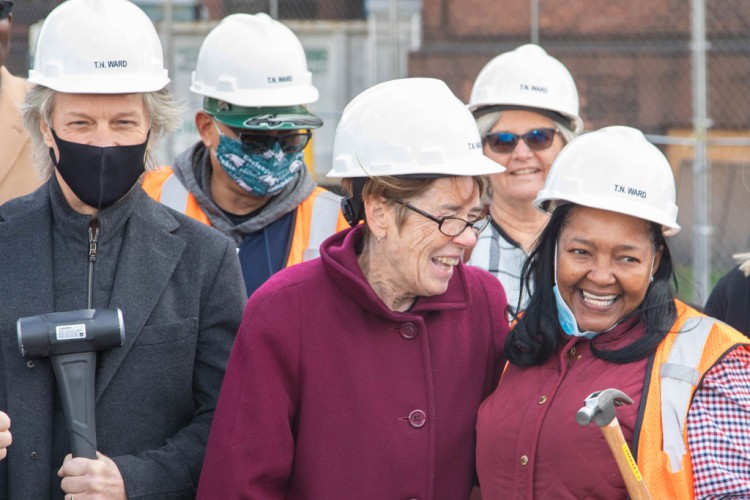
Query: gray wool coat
{"points": [[180, 289]]}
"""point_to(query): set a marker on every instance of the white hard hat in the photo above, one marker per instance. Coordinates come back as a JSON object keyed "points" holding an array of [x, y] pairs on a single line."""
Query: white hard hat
{"points": [[527, 77], [252, 61], [615, 169], [411, 126], [99, 47]]}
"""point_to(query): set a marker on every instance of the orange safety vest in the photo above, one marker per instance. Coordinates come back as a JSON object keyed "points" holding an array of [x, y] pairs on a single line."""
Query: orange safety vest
{"points": [[695, 344], [318, 216]]}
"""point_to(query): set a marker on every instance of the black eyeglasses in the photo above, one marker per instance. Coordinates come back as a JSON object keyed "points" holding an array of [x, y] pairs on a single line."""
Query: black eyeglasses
{"points": [[259, 143], [5, 8], [536, 139], [451, 226]]}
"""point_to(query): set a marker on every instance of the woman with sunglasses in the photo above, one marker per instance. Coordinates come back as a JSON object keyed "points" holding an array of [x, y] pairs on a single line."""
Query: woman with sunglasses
{"points": [[603, 315], [525, 104], [359, 374]]}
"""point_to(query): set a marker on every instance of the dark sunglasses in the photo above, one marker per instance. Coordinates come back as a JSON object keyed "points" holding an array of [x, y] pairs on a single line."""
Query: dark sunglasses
{"points": [[451, 226], [259, 143], [5, 8], [536, 139]]}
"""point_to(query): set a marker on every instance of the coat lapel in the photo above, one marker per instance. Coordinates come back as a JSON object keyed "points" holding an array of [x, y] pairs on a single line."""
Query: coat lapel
{"points": [[148, 258]]}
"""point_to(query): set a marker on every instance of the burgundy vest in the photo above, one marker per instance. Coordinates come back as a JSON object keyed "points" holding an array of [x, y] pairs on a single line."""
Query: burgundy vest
{"points": [[529, 444]]}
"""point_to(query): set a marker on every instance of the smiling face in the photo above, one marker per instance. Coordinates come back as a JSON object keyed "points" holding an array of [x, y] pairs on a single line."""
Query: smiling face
{"points": [[526, 169], [98, 119], [604, 266], [415, 259]]}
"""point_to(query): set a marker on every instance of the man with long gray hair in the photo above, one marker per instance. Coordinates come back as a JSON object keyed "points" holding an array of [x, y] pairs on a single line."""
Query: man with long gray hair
{"points": [[90, 238]]}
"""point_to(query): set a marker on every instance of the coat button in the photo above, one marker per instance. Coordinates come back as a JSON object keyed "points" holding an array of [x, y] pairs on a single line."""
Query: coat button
{"points": [[34, 455], [30, 364], [409, 331], [524, 460], [417, 419], [542, 400]]}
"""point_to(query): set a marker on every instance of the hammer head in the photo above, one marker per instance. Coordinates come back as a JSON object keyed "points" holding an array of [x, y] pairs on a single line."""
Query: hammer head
{"points": [[600, 407], [69, 332]]}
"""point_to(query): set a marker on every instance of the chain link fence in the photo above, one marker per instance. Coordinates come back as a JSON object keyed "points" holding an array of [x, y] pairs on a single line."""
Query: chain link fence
{"points": [[677, 69], [28, 12]]}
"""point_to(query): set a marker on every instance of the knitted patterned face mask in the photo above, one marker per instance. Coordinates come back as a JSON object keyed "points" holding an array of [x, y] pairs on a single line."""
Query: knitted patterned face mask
{"points": [[260, 174]]}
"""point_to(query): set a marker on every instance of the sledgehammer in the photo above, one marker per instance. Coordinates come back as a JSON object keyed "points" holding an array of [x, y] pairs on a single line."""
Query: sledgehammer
{"points": [[600, 407], [71, 339]]}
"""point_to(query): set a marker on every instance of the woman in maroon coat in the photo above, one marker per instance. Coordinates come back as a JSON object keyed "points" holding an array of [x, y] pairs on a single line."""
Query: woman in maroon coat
{"points": [[359, 374]]}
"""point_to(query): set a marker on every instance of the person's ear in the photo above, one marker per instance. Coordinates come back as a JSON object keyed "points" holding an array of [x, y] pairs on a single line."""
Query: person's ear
{"points": [[46, 131], [657, 261], [377, 211], [206, 129]]}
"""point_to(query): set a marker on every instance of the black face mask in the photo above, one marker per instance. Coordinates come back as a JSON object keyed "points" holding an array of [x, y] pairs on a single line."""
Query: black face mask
{"points": [[99, 176]]}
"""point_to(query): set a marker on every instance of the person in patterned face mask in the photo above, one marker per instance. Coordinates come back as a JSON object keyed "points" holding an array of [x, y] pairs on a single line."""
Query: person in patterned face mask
{"points": [[247, 175]]}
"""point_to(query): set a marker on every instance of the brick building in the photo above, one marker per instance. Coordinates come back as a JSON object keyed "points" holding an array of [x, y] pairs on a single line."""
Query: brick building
{"points": [[631, 60]]}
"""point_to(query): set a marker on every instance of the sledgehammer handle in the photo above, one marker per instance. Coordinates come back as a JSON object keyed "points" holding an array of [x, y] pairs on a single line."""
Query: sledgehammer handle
{"points": [[625, 462], [75, 382]]}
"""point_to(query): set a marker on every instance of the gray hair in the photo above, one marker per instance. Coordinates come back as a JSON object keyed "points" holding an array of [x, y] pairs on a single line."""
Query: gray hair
{"points": [[486, 121], [163, 110], [743, 259]]}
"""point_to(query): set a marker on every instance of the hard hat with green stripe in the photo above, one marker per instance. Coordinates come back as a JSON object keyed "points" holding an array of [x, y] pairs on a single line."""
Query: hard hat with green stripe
{"points": [[252, 72]]}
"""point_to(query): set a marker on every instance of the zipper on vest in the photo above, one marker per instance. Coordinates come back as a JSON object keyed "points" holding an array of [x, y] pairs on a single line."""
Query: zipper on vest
{"points": [[571, 353], [93, 239]]}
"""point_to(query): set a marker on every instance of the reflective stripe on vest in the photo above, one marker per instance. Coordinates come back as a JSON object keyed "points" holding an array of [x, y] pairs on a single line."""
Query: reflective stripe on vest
{"points": [[174, 194], [679, 377], [695, 344], [323, 222], [322, 219]]}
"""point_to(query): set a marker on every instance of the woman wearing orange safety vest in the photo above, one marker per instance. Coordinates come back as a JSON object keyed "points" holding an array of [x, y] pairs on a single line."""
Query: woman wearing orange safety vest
{"points": [[603, 315], [247, 176]]}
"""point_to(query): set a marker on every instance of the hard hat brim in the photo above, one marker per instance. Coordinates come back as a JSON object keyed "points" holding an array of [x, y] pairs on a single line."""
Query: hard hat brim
{"points": [[262, 118], [572, 122], [481, 165], [105, 84], [271, 121], [548, 201]]}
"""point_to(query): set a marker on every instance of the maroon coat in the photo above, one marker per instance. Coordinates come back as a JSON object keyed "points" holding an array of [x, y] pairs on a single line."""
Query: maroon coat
{"points": [[328, 394]]}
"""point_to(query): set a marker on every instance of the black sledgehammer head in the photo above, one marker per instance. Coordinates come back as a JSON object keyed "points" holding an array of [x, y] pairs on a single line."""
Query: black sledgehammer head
{"points": [[600, 407], [69, 332]]}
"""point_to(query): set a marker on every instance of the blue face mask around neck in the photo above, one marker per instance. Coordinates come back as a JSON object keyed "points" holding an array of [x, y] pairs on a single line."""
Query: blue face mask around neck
{"points": [[263, 174], [566, 318]]}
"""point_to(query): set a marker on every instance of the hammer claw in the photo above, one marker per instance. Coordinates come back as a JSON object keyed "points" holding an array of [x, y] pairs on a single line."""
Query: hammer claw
{"points": [[600, 408]]}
